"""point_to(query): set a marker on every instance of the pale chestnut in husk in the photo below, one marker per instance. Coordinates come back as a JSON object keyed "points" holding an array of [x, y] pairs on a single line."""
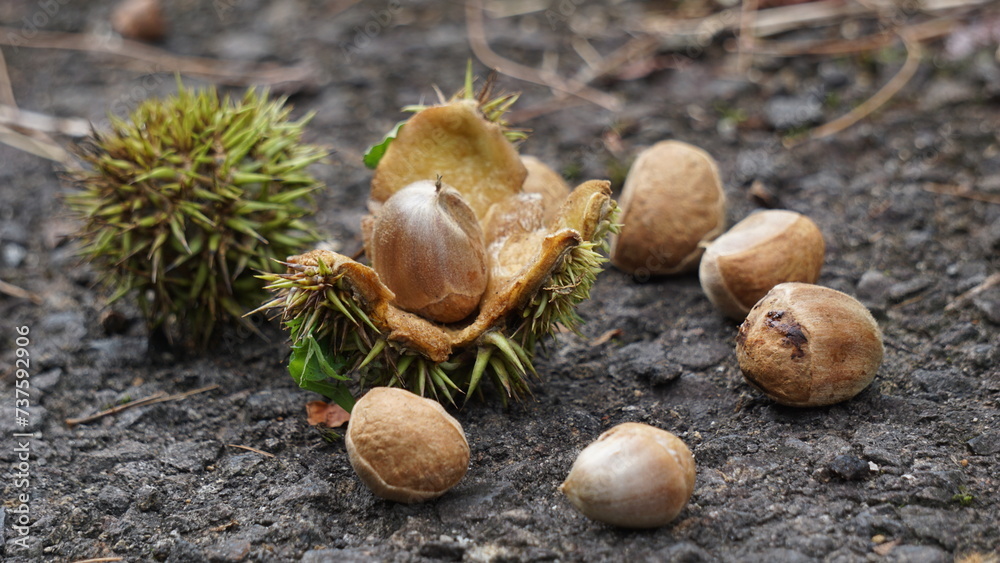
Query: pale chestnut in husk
{"points": [[756, 254], [805, 345], [405, 448], [427, 248], [672, 204], [633, 476]]}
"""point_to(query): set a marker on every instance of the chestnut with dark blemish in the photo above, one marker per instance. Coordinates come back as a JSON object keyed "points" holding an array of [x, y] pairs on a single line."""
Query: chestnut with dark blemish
{"points": [[806, 345]]}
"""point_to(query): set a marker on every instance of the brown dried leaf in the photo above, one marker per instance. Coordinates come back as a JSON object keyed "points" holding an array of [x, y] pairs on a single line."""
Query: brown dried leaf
{"points": [[330, 415]]}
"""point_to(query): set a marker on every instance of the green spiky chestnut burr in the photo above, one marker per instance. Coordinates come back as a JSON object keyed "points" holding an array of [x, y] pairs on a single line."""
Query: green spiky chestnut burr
{"points": [[543, 255], [186, 197]]}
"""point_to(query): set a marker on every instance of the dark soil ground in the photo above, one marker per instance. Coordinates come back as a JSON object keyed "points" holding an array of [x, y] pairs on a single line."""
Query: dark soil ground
{"points": [[906, 471]]}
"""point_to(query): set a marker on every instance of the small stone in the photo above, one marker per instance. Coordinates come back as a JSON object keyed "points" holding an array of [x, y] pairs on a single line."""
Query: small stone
{"points": [[849, 467], [337, 556], [988, 303], [113, 500], [308, 488], [442, 551], [645, 361], [832, 75], [933, 524], [161, 550], [185, 552], [908, 288], [882, 455], [918, 554], [147, 498], [987, 443], [191, 456], [945, 92], [789, 113], [47, 379], [682, 552], [13, 255], [701, 354], [232, 550], [239, 464], [273, 403], [785, 556], [873, 288], [33, 422]]}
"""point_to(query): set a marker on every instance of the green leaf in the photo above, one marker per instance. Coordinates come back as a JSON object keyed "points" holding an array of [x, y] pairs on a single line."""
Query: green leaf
{"points": [[312, 370], [375, 152], [310, 363]]}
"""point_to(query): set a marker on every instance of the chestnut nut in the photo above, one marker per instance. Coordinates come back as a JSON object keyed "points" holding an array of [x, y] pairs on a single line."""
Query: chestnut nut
{"points": [[765, 249], [427, 247], [805, 345], [633, 476], [672, 203], [405, 448]]}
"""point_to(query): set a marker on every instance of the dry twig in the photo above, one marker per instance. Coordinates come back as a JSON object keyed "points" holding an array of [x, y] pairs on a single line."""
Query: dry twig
{"points": [[249, 449], [636, 49], [6, 89], [680, 33], [480, 47], [290, 79], [748, 13], [15, 118], [607, 336], [924, 31], [961, 191], [906, 72], [158, 397], [23, 136], [989, 282], [15, 291]]}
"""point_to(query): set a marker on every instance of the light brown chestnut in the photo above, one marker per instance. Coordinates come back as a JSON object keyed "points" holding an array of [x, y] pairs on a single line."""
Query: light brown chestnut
{"points": [[633, 476], [805, 345], [756, 254], [427, 247], [404, 447], [672, 204], [139, 19]]}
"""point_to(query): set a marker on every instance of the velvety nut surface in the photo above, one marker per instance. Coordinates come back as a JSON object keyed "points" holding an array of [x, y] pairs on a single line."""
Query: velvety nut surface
{"points": [[404, 447], [756, 254], [672, 202], [805, 345], [428, 248], [633, 476]]}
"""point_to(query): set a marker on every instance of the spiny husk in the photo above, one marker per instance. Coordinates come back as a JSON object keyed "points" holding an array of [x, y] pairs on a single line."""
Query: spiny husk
{"points": [[543, 248], [343, 306], [186, 197]]}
